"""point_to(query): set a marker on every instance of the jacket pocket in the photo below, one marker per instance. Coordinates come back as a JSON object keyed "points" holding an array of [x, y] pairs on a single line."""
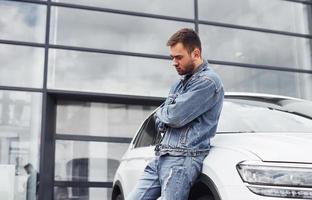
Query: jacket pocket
{"points": [[184, 136]]}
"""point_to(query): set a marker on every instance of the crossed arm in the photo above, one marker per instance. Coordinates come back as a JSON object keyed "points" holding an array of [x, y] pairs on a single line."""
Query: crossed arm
{"points": [[187, 106]]}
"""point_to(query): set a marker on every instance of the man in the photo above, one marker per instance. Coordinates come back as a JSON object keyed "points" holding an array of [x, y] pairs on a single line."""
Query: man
{"points": [[32, 185], [186, 120]]}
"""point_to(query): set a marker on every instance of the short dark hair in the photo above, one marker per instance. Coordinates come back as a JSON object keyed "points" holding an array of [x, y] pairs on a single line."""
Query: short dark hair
{"points": [[28, 165], [188, 37]]}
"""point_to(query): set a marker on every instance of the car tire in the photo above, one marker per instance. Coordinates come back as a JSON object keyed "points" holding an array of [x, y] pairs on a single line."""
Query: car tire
{"points": [[119, 197], [205, 197]]}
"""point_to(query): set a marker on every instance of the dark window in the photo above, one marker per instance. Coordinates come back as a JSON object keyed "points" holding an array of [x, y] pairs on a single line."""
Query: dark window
{"points": [[147, 134]]}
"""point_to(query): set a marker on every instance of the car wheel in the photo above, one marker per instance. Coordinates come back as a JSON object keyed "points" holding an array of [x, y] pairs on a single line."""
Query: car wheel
{"points": [[119, 197], [205, 197]]}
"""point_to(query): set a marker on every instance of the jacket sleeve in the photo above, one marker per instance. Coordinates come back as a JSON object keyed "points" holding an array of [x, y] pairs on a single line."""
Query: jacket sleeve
{"points": [[199, 98], [159, 125]]}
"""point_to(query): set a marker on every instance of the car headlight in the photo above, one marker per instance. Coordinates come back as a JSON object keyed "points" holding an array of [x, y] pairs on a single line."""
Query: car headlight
{"points": [[277, 179]]}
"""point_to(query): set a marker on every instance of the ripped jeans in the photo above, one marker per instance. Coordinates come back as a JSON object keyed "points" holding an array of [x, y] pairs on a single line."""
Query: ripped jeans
{"points": [[167, 178]]}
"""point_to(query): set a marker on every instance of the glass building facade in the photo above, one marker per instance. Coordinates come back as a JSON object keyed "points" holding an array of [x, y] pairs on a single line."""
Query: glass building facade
{"points": [[77, 78]]}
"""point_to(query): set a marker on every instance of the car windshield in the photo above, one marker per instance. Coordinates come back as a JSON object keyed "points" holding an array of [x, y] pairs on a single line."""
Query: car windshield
{"points": [[247, 116]]}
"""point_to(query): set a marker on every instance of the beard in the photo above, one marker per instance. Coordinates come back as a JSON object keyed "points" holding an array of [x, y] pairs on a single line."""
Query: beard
{"points": [[187, 69]]}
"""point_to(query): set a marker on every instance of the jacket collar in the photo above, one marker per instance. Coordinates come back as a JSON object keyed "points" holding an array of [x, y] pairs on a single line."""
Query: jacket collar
{"points": [[200, 68]]}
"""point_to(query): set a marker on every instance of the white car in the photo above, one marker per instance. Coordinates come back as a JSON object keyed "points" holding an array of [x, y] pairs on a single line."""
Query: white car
{"points": [[262, 151]]}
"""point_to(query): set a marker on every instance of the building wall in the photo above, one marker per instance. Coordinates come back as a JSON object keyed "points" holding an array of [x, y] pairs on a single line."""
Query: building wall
{"points": [[78, 77]]}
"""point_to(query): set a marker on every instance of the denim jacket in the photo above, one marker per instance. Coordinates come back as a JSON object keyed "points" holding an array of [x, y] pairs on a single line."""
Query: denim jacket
{"points": [[189, 116]]}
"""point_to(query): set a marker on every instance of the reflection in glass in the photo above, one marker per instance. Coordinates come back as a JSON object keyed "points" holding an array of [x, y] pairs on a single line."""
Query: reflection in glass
{"points": [[32, 184], [177, 8], [87, 161], [100, 119], [62, 193], [20, 124], [111, 31], [73, 70], [239, 79], [256, 48], [277, 14], [22, 21], [21, 66]]}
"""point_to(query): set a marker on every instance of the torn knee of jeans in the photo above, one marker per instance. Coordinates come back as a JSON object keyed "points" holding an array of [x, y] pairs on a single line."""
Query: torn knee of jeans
{"points": [[176, 177]]}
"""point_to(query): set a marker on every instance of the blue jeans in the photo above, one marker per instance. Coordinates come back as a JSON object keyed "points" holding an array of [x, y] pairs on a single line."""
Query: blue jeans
{"points": [[167, 177]]}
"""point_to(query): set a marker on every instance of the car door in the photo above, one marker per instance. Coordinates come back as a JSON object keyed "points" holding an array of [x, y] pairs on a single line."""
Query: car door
{"points": [[140, 154]]}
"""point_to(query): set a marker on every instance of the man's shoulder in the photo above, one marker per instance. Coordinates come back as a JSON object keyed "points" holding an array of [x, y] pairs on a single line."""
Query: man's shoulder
{"points": [[207, 77], [210, 75]]}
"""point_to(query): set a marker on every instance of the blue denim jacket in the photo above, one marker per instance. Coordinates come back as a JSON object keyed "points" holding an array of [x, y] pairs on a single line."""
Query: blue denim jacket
{"points": [[189, 116]]}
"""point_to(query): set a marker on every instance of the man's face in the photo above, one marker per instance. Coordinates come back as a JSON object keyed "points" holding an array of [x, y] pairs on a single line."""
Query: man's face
{"points": [[181, 59], [28, 170]]}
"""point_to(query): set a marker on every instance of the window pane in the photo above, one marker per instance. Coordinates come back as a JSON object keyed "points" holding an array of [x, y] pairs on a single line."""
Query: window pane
{"points": [[100, 119], [20, 121], [148, 134], [177, 8], [21, 66], [73, 70], [87, 161], [62, 193], [278, 14], [22, 21], [238, 79], [255, 47], [111, 31]]}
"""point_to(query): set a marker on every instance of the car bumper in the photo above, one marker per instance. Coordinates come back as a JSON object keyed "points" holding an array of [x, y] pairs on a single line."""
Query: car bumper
{"points": [[243, 193]]}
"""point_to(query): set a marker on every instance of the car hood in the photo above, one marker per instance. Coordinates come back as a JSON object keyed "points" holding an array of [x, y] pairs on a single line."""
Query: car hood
{"points": [[279, 147]]}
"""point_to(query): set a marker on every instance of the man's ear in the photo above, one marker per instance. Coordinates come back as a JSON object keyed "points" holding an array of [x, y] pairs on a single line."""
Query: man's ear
{"points": [[196, 53]]}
